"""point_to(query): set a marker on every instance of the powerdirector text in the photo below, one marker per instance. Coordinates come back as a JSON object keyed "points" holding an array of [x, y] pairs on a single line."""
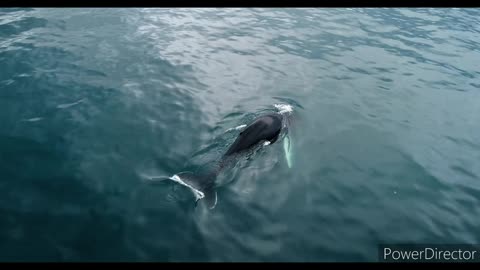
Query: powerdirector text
{"points": [[461, 253]]}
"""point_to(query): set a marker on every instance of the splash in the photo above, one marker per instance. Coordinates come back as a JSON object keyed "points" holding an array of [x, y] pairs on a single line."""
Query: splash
{"points": [[284, 108]]}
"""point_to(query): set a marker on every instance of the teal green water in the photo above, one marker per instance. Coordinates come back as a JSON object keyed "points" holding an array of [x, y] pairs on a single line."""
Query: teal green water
{"points": [[95, 101]]}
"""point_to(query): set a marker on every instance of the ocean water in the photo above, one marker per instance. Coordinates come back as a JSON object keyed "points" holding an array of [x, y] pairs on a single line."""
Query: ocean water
{"points": [[94, 102]]}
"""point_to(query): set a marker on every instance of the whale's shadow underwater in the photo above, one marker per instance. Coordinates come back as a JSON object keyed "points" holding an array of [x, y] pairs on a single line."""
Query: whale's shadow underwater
{"points": [[263, 131]]}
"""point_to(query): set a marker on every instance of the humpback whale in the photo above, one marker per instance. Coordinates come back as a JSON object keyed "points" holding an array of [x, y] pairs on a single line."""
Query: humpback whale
{"points": [[263, 130]]}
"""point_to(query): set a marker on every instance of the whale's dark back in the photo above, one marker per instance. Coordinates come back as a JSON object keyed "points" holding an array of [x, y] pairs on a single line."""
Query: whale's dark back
{"points": [[264, 128]]}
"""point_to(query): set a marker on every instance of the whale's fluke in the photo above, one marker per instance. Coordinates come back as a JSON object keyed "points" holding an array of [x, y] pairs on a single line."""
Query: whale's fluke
{"points": [[201, 186]]}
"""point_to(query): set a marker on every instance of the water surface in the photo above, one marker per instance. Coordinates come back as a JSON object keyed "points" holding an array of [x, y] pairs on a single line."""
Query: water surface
{"points": [[94, 100]]}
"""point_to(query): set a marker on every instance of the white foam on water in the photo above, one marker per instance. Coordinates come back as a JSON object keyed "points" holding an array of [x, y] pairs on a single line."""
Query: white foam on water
{"points": [[284, 108], [236, 128], [64, 106], [198, 194], [240, 127], [155, 178], [35, 119], [266, 143]]}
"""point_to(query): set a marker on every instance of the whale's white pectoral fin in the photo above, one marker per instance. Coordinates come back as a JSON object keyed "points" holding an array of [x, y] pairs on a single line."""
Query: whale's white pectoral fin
{"points": [[287, 148]]}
